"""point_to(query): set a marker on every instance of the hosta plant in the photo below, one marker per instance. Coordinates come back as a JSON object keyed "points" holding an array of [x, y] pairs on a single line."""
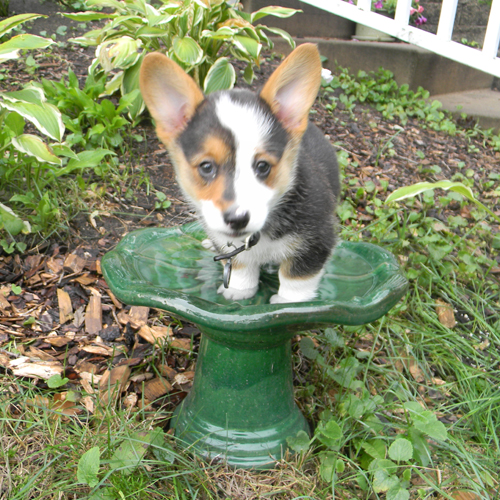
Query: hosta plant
{"points": [[200, 35], [30, 164]]}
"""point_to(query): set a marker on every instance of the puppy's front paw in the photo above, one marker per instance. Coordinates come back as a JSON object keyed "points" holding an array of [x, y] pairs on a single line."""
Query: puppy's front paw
{"points": [[235, 294]]}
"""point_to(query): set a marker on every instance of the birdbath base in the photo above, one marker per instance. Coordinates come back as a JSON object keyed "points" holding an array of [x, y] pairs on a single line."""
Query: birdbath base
{"points": [[241, 407]]}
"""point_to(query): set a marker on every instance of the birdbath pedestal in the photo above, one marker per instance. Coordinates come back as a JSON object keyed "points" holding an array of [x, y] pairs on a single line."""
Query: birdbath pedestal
{"points": [[241, 407]]}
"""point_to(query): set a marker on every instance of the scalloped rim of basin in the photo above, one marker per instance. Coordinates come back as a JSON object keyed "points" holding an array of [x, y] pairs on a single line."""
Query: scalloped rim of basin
{"points": [[129, 287]]}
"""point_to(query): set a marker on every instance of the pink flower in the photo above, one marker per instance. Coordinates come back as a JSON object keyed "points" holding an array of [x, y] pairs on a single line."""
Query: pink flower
{"points": [[420, 9], [412, 11], [379, 4]]}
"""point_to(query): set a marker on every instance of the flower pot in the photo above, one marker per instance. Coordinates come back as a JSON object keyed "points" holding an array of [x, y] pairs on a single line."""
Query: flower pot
{"points": [[365, 33]]}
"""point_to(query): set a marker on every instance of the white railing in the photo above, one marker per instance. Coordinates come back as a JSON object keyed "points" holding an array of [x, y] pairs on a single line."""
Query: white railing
{"points": [[484, 60]]}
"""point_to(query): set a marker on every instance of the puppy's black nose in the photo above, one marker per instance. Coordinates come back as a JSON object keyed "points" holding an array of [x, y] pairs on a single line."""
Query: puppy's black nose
{"points": [[236, 218]]}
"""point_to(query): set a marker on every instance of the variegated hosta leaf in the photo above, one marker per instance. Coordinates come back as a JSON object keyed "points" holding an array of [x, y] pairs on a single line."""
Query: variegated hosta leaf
{"points": [[118, 53], [11, 222], [44, 116], [280, 32], [187, 50], [11, 48], [85, 17], [248, 45], [235, 23], [222, 33], [114, 4], [34, 146], [273, 10], [130, 85], [113, 85], [221, 76], [11, 22], [34, 95]]}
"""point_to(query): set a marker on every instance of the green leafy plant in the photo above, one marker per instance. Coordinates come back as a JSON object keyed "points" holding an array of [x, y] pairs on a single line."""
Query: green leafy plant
{"points": [[422, 187], [200, 35], [384, 450], [394, 101], [92, 122], [31, 164]]}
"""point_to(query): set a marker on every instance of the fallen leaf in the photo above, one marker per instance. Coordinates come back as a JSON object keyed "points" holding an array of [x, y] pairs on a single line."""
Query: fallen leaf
{"points": [[86, 386], [103, 350], [23, 367], [141, 377], [93, 315], [34, 352], [465, 495], [439, 226], [184, 378], [167, 371], [482, 346], [438, 381], [130, 401], [184, 344], [138, 316], [74, 264], [4, 360], [445, 313], [155, 334], [57, 340], [115, 301], [65, 306], [156, 388], [4, 303], [64, 406], [85, 366], [54, 264], [79, 317], [91, 378], [88, 403], [416, 372], [85, 279], [113, 383]]}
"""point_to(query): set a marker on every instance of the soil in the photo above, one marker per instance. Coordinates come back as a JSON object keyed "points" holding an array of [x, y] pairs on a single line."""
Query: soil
{"points": [[79, 327]]}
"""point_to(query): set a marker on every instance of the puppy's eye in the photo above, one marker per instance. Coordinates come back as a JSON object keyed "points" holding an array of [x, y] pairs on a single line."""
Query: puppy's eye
{"points": [[207, 170], [262, 168]]}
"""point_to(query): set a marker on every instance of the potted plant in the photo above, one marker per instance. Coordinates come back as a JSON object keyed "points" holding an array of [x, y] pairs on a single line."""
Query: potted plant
{"points": [[387, 8]]}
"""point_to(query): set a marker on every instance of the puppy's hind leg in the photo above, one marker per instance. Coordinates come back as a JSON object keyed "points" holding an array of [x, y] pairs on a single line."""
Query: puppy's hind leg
{"points": [[296, 289], [301, 274]]}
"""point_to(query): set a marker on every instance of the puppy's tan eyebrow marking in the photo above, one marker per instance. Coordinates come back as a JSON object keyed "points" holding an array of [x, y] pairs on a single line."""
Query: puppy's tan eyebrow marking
{"points": [[216, 148]]}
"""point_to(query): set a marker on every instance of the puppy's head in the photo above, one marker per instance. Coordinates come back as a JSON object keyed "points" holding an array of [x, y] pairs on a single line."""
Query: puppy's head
{"points": [[234, 152]]}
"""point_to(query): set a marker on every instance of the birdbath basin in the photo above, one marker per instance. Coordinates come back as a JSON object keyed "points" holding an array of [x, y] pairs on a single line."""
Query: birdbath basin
{"points": [[241, 407]]}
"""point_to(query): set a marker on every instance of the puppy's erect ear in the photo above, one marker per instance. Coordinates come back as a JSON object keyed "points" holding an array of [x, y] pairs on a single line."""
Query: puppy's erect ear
{"points": [[170, 94], [292, 88]]}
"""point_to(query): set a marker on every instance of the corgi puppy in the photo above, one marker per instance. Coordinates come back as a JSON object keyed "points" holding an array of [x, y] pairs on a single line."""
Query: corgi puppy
{"points": [[253, 164]]}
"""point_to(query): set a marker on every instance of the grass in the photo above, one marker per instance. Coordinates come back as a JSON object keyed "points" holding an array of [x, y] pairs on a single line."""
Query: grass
{"points": [[407, 358], [409, 382]]}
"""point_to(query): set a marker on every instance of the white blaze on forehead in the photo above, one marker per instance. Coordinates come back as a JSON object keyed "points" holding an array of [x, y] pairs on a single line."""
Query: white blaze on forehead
{"points": [[249, 126]]}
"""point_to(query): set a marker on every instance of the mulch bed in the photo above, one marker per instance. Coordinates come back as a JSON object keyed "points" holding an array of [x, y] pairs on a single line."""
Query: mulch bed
{"points": [[58, 312]]}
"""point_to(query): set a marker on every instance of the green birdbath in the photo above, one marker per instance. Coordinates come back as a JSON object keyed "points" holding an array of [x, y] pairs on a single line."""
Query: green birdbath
{"points": [[241, 407]]}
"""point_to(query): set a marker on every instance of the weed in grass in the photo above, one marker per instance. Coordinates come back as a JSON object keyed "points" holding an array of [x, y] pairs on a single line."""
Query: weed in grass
{"points": [[380, 90]]}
